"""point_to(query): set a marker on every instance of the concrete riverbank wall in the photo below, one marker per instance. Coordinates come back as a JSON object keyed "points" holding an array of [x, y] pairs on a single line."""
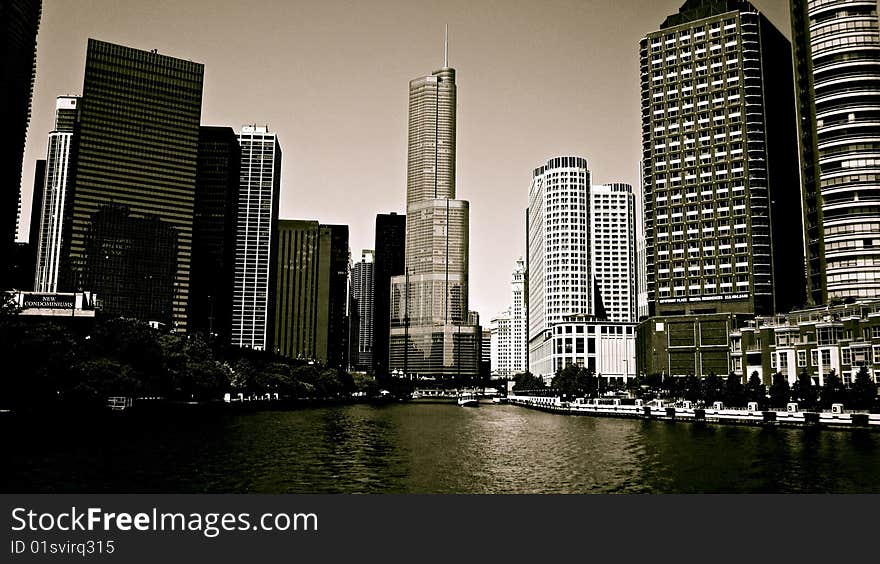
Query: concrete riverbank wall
{"points": [[837, 418]]}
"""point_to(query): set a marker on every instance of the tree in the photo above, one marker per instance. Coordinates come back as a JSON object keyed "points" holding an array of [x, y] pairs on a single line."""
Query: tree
{"points": [[527, 381], [833, 390], [780, 391], [734, 392], [804, 391], [573, 381], [863, 393], [756, 390]]}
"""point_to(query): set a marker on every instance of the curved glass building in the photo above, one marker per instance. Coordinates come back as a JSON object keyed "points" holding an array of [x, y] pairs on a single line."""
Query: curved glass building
{"points": [[837, 61]]}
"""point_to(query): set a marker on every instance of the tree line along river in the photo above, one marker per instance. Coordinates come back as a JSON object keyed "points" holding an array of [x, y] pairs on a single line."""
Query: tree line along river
{"points": [[426, 448]]}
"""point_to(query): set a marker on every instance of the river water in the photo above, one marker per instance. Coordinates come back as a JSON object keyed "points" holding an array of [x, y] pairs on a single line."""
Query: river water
{"points": [[429, 448]]}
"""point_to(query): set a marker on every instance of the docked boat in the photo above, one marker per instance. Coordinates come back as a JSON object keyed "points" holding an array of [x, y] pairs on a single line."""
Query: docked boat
{"points": [[468, 400], [499, 399]]}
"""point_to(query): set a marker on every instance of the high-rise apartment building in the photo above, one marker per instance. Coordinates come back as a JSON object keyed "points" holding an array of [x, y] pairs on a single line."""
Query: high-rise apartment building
{"points": [[642, 305], [430, 334], [136, 148], [256, 237], [19, 23], [390, 261], [55, 189], [362, 287], [837, 71], [720, 163], [613, 251], [214, 230], [560, 283]]}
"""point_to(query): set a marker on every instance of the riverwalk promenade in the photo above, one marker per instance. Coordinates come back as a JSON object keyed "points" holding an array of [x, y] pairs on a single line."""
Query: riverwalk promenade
{"points": [[792, 416]]}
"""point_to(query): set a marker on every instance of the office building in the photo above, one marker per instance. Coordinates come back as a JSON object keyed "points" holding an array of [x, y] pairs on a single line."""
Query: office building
{"points": [[362, 288], [55, 190], [720, 164], [606, 348], [518, 319], [214, 231], [501, 345], [19, 23], [135, 168], [837, 72], [613, 251], [256, 237], [310, 299], [430, 335], [390, 261], [560, 283]]}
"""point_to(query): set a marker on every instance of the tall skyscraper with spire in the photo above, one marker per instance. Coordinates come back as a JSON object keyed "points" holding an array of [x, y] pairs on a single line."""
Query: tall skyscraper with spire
{"points": [[430, 334]]}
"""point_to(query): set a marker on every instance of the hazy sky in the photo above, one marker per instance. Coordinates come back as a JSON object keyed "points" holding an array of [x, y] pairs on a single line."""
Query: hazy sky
{"points": [[536, 78]]}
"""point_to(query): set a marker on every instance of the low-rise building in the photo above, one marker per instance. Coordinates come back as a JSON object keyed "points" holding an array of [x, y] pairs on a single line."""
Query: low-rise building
{"points": [[842, 338], [606, 348]]}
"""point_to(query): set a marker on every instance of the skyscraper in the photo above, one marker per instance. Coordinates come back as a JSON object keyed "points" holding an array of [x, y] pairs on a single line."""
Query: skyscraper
{"points": [[724, 237], [311, 292], [296, 298], [837, 67], [430, 334], [720, 163], [560, 282], [334, 262], [55, 190], [256, 237], [216, 215], [362, 287], [390, 261], [501, 345], [19, 23], [136, 148], [613, 251]]}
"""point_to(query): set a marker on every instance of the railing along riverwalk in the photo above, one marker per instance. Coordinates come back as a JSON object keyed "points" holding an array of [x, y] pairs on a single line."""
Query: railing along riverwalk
{"points": [[688, 411]]}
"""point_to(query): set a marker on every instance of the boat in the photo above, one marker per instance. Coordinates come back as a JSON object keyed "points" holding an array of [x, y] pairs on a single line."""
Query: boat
{"points": [[499, 399], [468, 400]]}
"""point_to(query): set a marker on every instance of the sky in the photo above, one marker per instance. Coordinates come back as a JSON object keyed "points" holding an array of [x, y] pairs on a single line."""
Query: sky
{"points": [[536, 79]]}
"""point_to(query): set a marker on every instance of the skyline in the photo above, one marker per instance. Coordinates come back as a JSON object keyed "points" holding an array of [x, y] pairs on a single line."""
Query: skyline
{"points": [[525, 95]]}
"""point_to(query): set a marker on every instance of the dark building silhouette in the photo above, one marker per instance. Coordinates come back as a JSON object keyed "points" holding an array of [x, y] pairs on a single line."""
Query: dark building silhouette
{"points": [[19, 23], [131, 264], [311, 293], [390, 260], [214, 228], [137, 145], [333, 290]]}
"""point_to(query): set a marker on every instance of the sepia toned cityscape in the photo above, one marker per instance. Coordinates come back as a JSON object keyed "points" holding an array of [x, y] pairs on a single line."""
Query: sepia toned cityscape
{"points": [[736, 282]]}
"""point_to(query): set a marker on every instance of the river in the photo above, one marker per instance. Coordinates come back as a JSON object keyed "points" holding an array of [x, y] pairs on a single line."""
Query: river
{"points": [[428, 448]]}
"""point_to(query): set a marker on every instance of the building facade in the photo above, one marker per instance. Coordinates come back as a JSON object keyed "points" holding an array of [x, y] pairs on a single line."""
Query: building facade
{"points": [[501, 345], [136, 149], [642, 304], [720, 163], [430, 335], [605, 348], [333, 275], [362, 288], [837, 64], [841, 338], [390, 261], [560, 283], [296, 297], [19, 23], [256, 237], [55, 190], [613, 251], [214, 231], [518, 319]]}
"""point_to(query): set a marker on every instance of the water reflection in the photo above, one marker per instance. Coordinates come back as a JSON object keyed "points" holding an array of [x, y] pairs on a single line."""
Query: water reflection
{"points": [[431, 449]]}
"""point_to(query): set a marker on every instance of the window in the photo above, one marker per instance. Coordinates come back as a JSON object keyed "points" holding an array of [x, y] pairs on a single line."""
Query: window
{"points": [[875, 350], [814, 357], [846, 357], [802, 359], [773, 361]]}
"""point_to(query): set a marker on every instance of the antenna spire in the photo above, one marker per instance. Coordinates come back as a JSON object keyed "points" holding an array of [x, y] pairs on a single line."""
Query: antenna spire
{"points": [[446, 48]]}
